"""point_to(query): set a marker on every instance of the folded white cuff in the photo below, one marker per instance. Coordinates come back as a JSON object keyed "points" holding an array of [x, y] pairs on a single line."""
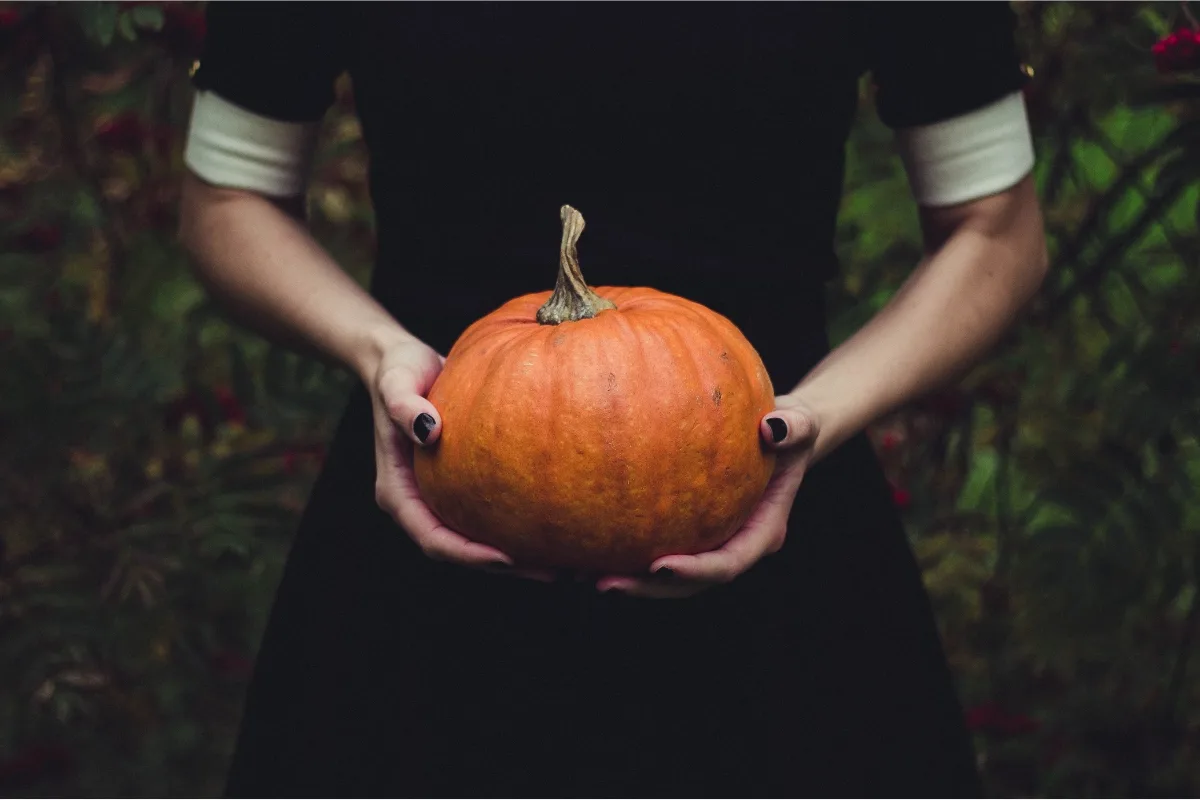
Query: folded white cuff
{"points": [[949, 162], [231, 147], [969, 156]]}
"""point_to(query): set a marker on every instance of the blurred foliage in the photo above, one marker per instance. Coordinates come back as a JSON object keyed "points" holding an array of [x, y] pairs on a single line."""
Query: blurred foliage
{"points": [[153, 459]]}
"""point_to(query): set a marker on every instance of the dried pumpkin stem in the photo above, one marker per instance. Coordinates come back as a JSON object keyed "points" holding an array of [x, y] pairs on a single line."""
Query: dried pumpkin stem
{"points": [[572, 300]]}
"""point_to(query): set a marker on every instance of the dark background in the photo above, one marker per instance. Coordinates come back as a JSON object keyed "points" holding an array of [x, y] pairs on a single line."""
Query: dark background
{"points": [[153, 460]]}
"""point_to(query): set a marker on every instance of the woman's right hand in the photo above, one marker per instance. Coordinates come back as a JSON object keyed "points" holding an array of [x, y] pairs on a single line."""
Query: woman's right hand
{"points": [[405, 419]]}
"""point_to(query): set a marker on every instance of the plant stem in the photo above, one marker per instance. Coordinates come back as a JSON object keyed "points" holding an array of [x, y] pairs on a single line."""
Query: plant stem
{"points": [[572, 300]]}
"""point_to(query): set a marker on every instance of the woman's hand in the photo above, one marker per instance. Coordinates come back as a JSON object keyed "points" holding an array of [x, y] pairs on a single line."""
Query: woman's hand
{"points": [[791, 429], [404, 419]]}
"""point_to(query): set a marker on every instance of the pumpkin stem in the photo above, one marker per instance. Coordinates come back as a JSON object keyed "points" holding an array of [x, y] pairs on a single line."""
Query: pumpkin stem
{"points": [[572, 299]]}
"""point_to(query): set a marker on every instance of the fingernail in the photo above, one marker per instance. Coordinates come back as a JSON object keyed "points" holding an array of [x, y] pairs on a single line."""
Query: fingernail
{"points": [[664, 572], [423, 424], [778, 429]]}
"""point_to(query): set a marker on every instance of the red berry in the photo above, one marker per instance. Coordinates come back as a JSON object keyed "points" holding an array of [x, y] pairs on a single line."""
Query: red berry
{"points": [[231, 408], [991, 718], [981, 717], [889, 441], [184, 27], [231, 665], [901, 498], [1178, 51], [123, 133]]}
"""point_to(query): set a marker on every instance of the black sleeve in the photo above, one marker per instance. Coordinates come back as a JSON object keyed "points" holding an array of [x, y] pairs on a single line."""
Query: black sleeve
{"points": [[933, 61], [276, 59]]}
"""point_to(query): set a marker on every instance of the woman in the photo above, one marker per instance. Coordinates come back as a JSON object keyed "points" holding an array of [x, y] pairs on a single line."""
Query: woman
{"points": [[704, 143]]}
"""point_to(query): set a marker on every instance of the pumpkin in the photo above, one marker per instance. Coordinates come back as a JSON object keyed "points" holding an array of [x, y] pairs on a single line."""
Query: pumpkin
{"points": [[597, 430]]}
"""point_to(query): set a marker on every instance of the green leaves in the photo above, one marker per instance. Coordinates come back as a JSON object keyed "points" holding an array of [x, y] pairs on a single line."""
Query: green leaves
{"points": [[98, 21], [1080, 477]]}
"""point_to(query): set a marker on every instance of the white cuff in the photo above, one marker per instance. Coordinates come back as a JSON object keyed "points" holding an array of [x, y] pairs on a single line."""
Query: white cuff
{"points": [[231, 147], [970, 156]]}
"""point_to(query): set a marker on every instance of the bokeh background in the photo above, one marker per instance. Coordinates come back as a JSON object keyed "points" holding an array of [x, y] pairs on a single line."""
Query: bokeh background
{"points": [[154, 459]]}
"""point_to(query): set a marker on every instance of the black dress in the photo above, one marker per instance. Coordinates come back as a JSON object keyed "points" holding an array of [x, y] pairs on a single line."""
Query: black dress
{"points": [[704, 144]]}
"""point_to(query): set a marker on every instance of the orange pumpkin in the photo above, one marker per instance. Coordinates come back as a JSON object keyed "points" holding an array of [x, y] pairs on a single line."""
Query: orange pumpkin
{"points": [[598, 430]]}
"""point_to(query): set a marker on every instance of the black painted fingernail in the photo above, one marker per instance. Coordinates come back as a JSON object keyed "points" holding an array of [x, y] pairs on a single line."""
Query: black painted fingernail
{"points": [[664, 572], [778, 429], [423, 424]]}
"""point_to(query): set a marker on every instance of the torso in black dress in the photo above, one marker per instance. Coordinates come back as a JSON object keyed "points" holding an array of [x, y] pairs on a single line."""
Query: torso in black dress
{"points": [[704, 144]]}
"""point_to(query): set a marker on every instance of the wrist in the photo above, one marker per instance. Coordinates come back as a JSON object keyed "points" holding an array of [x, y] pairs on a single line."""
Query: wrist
{"points": [[373, 345], [836, 420]]}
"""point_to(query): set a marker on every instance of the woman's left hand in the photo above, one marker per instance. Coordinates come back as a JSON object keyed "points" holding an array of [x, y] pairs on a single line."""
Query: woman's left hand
{"points": [[791, 429]]}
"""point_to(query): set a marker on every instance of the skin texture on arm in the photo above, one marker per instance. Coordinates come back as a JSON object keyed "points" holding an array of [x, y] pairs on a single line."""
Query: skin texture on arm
{"points": [[259, 260], [985, 260], [254, 255]]}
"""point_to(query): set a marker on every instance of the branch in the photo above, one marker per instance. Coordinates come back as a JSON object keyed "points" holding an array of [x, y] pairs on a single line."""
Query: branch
{"points": [[1090, 278], [111, 229]]}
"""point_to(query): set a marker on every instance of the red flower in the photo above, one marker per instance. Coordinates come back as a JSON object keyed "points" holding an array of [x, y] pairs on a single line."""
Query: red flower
{"points": [[991, 718], [41, 238], [901, 497], [1178, 51], [890, 440], [122, 133]]}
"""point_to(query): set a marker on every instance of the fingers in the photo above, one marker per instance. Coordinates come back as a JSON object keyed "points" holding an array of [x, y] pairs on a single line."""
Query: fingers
{"points": [[787, 427], [401, 391], [397, 493], [685, 575], [435, 539], [747, 547], [415, 416]]}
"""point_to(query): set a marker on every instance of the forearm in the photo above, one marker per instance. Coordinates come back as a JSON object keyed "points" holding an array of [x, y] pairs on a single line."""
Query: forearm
{"points": [[266, 269], [954, 307]]}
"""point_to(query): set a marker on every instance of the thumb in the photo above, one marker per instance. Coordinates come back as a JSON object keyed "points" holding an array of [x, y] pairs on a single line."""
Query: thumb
{"points": [[785, 428], [416, 416]]}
